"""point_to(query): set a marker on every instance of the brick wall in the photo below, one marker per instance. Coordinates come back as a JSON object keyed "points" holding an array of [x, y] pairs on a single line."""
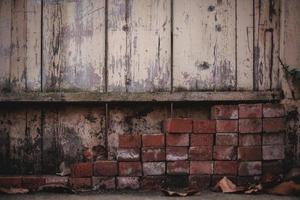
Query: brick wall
{"points": [[241, 142]]}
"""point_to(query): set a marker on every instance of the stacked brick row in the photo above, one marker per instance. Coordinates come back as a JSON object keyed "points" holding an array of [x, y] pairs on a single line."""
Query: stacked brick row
{"points": [[241, 142]]}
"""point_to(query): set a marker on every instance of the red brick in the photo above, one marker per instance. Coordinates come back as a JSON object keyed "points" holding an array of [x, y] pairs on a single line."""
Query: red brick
{"points": [[178, 140], [201, 167], [200, 153], [204, 126], [11, 181], [250, 125], [250, 168], [273, 138], [273, 152], [225, 112], [104, 182], [216, 178], [155, 140], [80, 170], [177, 153], [249, 139], [272, 125], [250, 111], [33, 182], [225, 153], [152, 154], [130, 169], [178, 167], [129, 141], [132, 183], [128, 155], [200, 182], [202, 139], [225, 167], [249, 153], [273, 167], [227, 139], [227, 126], [154, 168], [105, 168], [80, 183], [178, 125], [273, 110], [153, 182]]}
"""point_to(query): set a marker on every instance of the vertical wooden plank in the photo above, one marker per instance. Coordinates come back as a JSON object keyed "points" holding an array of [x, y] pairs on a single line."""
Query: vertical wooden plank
{"points": [[50, 151], [4, 140], [150, 46], [32, 158], [139, 45], [117, 60], [266, 48], [204, 47], [18, 73], [291, 28], [5, 44], [73, 45], [17, 118], [33, 43], [25, 73], [245, 28]]}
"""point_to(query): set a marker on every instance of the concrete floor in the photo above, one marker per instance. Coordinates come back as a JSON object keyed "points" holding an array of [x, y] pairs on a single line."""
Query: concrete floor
{"points": [[140, 195]]}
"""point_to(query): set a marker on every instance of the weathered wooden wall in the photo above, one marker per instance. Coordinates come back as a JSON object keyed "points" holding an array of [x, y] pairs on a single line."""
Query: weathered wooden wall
{"points": [[139, 45], [127, 46]]}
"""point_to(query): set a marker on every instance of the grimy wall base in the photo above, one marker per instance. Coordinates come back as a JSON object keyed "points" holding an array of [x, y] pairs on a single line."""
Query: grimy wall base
{"points": [[242, 142]]}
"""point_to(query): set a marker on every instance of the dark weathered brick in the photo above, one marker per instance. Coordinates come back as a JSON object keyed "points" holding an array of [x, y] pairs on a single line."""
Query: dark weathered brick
{"points": [[250, 111], [202, 139], [204, 126], [200, 153], [201, 167], [178, 125], [105, 168], [225, 112], [178, 140], [155, 140], [227, 126]]}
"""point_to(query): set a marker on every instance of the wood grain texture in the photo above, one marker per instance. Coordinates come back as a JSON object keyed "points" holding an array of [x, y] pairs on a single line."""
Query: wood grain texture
{"points": [[204, 45], [73, 45], [139, 42], [5, 40], [290, 37], [245, 30], [25, 67], [266, 47]]}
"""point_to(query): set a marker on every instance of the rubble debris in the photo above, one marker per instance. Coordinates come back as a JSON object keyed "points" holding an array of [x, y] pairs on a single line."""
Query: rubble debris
{"points": [[293, 175], [227, 186], [286, 189], [179, 193], [13, 190]]}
